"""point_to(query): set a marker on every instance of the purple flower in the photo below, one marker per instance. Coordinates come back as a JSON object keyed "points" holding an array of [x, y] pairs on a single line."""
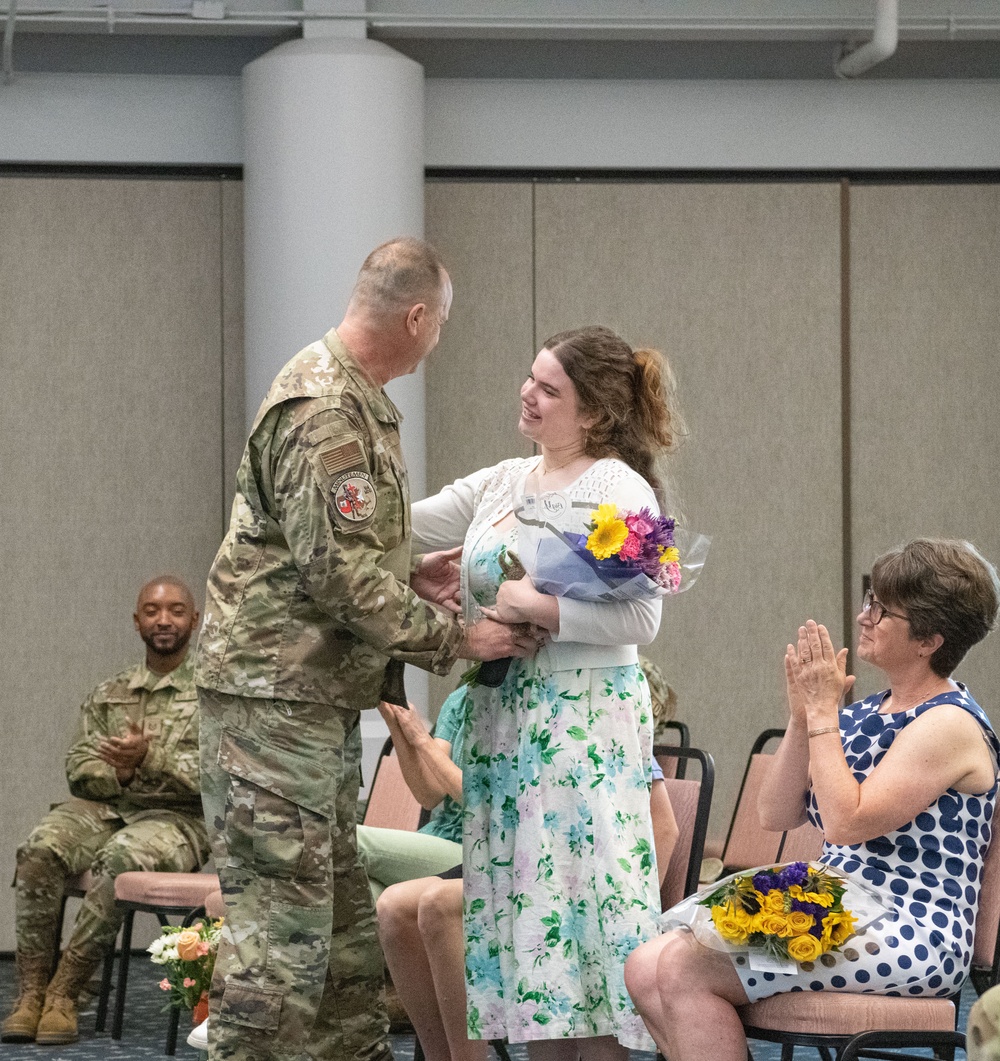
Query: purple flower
{"points": [[763, 882], [794, 873]]}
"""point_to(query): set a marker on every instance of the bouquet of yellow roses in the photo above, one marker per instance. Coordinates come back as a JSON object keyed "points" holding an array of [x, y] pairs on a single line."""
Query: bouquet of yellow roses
{"points": [[781, 915], [188, 957]]}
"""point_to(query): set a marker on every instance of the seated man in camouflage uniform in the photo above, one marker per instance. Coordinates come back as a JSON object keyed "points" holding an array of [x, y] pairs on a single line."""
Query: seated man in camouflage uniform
{"points": [[133, 775]]}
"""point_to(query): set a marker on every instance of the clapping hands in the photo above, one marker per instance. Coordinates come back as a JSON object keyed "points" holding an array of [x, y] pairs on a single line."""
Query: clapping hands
{"points": [[816, 676], [126, 753]]}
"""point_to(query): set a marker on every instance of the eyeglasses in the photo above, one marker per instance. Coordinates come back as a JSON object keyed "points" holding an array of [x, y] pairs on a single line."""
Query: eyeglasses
{"points": [[877, 611]]}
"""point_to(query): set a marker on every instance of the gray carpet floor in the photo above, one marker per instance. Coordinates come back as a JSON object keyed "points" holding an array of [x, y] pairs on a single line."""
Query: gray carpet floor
{"points": [[145, 1031]]}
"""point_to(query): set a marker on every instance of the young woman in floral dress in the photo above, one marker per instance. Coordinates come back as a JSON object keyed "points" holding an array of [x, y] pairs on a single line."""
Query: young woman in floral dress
{"points": [[560, 880]]}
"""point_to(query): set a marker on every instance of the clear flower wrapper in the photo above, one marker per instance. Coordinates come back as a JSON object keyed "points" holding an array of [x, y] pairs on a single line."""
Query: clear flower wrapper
{"points": [[555, 536], [807, 910], [570, 549]]}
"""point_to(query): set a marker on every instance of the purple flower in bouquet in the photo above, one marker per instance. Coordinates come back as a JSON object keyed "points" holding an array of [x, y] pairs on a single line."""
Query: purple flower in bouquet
{"points": [[793, 873], [764, 882], [635, 543]]}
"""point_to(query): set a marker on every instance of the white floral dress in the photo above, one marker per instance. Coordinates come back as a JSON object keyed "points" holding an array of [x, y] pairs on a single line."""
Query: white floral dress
{"points": [[559, 872]]}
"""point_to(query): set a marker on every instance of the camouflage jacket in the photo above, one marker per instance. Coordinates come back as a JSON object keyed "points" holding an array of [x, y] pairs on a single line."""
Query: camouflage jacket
{"points": [[166, 706], [308, 598]]}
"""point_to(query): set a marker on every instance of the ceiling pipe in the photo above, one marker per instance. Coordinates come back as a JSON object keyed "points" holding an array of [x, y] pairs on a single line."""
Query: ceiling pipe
{"points": [[883, 43], [8, 44]]}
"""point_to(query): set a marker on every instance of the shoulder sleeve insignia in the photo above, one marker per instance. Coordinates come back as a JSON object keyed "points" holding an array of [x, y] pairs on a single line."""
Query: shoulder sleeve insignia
{"points": [[337, 458], [354, 497]]}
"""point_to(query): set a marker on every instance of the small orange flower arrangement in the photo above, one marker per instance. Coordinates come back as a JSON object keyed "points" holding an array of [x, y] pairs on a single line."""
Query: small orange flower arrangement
{"points": [[188, 957]]}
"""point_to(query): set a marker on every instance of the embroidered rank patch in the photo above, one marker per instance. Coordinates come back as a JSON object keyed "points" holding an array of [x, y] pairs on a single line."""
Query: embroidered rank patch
{"points": [[337, 458], [354, 496]]}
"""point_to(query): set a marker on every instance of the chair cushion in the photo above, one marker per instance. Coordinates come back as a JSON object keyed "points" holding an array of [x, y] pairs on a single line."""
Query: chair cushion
{"points": [[165, 889], [839, 1013]]}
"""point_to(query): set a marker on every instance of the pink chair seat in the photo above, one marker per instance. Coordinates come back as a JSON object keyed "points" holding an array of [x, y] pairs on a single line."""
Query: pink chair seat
{"points": [[838, 1013], [185, 890]]}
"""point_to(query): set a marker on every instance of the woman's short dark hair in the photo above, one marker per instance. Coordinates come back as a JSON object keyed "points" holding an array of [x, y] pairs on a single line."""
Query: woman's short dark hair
{"points": [[945, 587]]}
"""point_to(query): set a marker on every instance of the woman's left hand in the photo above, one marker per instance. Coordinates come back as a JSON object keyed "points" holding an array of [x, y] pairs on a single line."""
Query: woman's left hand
{"points": [[820, 674], [516, 601], [519, 602]]}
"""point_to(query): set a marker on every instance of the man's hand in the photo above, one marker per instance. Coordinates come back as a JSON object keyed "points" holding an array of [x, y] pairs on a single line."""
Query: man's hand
{"points": [[125, 753], [437, 579], [492, 640]]}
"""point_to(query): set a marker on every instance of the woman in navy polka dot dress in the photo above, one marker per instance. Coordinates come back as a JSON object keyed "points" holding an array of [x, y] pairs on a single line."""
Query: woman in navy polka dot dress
{"points": [[903, 785]]}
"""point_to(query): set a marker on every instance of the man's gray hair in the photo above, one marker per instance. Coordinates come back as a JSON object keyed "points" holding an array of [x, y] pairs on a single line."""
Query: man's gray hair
{"points": [[397, 275]]}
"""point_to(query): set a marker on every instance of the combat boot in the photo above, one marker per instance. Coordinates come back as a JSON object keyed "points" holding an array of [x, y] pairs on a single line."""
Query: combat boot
{"points": [[58, 1022], [32, 977]]}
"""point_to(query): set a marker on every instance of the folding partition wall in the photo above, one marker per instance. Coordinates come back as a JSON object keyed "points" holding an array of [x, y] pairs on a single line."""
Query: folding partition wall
{"points": [[121, 339], [834, 347], [834, 351]]}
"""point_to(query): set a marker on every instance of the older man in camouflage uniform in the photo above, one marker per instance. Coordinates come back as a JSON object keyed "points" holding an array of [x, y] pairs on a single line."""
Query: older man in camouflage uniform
{"points": [[311, 596], [133, 774]]}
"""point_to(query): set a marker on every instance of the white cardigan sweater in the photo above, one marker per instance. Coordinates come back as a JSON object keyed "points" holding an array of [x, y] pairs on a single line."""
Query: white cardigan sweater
{"points": [[591, 634]]}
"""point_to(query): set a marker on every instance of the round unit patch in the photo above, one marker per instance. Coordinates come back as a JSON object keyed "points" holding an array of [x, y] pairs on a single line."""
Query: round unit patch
{"points": [[355, 497]]}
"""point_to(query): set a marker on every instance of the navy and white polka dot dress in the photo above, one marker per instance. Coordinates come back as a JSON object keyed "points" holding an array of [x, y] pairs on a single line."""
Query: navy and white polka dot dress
{"points": [[930, 869]]}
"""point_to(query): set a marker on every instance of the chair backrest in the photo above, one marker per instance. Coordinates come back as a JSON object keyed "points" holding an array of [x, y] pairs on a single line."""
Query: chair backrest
{"points": [[391, 804], [804, 844], [986, 945], [691, 801], [683, 734], [748, 844]]}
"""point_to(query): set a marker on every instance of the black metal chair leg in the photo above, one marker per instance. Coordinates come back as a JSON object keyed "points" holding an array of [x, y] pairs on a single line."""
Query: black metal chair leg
{"points": [[58, 942], [107, 972], [501, 1049], [175, 1017], [119, 1018]]}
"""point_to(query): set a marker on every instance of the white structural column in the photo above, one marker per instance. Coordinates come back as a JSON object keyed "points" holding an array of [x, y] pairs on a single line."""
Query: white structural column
{"points": [[333, 166]]}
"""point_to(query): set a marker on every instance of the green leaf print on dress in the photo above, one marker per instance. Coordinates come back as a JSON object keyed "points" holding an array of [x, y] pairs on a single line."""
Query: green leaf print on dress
{"points": [[560, 878]]}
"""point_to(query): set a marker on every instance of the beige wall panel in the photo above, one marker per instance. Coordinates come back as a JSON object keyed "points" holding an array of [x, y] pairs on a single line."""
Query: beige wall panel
{"points": [[111, 435], [483, 231], [925, 314], [739, 285], [234, 422]]}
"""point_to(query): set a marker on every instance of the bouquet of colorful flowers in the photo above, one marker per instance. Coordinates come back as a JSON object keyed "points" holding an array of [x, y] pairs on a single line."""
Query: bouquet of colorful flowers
{"points": [[780, 914], [188, 957], [619, 555]]}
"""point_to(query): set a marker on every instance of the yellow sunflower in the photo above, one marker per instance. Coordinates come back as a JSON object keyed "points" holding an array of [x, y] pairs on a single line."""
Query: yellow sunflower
{"points": [[609, 533]]}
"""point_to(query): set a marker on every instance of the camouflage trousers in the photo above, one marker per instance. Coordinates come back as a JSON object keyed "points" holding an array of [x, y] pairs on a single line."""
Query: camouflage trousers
{"points": [[80, 835], [299, 969]]}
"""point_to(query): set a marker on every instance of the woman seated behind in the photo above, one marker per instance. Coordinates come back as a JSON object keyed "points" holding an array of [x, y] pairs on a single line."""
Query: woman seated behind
{"points": [[429, 764], [420, 925], [903, 785]]}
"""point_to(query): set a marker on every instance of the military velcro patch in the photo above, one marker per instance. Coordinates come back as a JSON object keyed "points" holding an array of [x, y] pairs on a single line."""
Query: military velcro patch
{"points": [[337, 458], [354, 497]]}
